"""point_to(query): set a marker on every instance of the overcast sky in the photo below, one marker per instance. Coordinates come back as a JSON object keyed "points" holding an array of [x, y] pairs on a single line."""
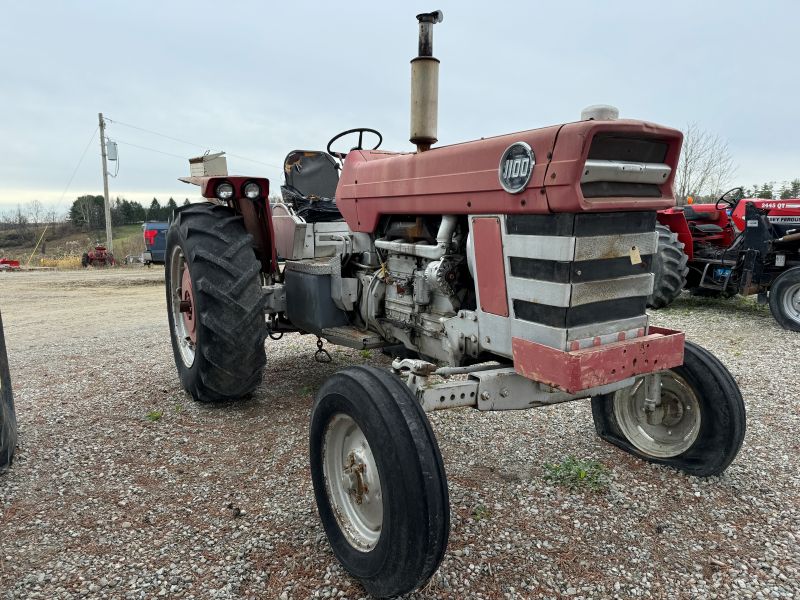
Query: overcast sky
{"points": [[259, 79]]}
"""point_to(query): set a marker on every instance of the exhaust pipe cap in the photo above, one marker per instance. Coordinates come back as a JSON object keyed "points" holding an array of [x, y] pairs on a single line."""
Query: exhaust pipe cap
{"points": [[600, 112]]}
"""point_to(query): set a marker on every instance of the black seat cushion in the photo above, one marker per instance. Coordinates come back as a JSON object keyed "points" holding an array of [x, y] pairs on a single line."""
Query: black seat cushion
{"points": [[693, 215], [708, 228], [312, 173]]}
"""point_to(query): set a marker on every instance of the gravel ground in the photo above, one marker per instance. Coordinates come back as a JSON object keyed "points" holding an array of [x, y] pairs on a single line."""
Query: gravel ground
{"points": [[216, 502]]}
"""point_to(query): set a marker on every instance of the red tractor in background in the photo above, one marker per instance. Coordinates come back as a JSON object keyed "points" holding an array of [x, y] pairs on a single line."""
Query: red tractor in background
{"points": [[99, 257], [736, 246], [6, 264], [520, 263]]}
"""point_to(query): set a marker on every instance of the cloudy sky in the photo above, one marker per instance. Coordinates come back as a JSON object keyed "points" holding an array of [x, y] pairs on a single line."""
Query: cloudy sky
{"points": [[258, 79]]}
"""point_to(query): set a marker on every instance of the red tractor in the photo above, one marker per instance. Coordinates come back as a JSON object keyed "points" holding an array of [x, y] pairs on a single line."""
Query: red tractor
{"points": [[6, 264], [735, 246], [99, 257], [520, 264]]}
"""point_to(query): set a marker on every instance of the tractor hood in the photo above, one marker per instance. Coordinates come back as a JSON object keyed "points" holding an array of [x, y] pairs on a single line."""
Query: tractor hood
{"points": [[583, 166]]}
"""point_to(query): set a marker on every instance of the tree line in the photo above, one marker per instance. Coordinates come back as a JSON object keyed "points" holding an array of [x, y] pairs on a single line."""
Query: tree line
{"points": [[88, 212]]}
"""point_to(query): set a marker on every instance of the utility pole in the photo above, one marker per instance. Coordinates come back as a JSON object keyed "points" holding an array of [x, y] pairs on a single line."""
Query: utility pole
{"points": [[109, 241]]}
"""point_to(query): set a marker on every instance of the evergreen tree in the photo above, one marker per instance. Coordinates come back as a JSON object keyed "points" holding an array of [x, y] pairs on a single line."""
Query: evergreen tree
{"points": [[168, 209], [154, 212], [766, 192], [790, 189]]}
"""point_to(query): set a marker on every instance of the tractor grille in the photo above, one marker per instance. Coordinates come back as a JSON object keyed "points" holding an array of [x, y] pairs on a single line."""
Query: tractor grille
{"points": [[573, 278], [622, 166]]}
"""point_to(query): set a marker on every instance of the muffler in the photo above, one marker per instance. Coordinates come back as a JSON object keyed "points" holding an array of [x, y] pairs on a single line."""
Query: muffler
{"points": [[425, 85]]}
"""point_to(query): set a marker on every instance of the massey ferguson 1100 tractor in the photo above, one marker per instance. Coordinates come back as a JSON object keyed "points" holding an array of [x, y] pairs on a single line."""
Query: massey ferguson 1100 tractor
{"points": [[735, 246], [505, 273]]}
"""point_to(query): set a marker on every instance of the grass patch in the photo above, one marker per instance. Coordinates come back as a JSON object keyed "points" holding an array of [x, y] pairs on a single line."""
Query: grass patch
{"points": [[686, 304], [366, 354], [480, 512], [577, 474], [155, 415]]}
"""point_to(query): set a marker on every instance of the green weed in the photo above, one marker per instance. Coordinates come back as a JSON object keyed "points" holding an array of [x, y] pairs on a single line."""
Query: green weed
{"points": [[576, 474]]}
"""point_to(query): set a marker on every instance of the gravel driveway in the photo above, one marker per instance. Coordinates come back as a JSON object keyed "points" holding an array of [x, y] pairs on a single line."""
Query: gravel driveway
{"points": [[125, 488]]}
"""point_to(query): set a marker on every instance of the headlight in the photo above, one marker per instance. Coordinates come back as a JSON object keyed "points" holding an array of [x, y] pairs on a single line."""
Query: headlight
{"points": [[252, 190], [224, 191]]}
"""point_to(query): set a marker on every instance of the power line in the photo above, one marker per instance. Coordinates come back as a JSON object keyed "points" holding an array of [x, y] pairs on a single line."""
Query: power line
{"points": [[174, 139], [78, 166], [169, 137], [119, 141]]}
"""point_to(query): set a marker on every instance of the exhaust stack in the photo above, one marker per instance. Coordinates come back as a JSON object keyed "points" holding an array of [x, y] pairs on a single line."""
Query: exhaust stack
{"points": [[425, 85]]}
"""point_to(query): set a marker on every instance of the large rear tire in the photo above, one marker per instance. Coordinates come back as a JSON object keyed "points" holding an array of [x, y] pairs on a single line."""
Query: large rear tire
{"points": [[704, 417], [215, 303], [379, 480], [8, 416], [669, 269], [784, 299]]}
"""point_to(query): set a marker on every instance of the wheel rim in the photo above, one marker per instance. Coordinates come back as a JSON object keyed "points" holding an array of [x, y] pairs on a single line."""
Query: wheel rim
{"points": [[791, 303], [680, 415], [352, 482], [182, 307]]}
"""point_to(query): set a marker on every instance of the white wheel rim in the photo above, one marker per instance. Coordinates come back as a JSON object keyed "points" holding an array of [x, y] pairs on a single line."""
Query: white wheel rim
{"points": [[680, 425], [352, 482], [791, 303], [186, 348]]}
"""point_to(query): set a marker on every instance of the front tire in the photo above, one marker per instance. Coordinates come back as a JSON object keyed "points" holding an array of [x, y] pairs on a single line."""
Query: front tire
{"points": [[8, 416], [669, 269], [704, 417], [379, 481], [214, 303], [784, 299]]}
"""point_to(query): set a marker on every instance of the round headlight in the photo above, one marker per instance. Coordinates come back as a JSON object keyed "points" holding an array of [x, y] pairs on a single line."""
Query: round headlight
{"points": [[252, 190], [224, 191]]}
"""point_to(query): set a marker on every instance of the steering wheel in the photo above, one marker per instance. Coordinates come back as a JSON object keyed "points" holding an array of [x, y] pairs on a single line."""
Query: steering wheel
{"points": [[730, 198], [360, 131]]}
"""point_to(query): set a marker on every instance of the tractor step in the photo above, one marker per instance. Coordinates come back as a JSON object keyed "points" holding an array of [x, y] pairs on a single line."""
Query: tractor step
{"points": [[352, 337]]}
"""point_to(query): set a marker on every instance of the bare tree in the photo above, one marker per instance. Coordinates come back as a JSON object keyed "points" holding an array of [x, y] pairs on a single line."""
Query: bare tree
{"points": [[35, 211], [705, 167]]}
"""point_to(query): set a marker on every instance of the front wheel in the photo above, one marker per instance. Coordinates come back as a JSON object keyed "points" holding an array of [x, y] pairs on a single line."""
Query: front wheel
{"points": [[784, 299], [701, 421], [214, 303], [8, 417], [379, 480]]}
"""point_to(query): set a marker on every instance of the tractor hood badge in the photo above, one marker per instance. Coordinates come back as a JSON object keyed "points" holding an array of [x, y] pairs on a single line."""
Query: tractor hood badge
{"points": [[516, 166]]}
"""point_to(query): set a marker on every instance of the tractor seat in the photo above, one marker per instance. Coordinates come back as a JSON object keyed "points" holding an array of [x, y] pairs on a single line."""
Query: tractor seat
{"points": [[694, 215], [311, 179], [707, 228]]}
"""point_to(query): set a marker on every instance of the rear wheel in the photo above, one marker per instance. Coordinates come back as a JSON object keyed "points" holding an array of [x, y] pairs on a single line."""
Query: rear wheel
{"points": [[669, 269], [701, 423], [8, 417], [85, 260], [784, 299], [379, 480], [214, 303]]}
